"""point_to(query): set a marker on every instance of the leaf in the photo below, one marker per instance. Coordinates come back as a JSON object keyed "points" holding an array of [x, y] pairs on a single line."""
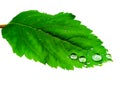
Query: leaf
{"points": [[58, 40]]}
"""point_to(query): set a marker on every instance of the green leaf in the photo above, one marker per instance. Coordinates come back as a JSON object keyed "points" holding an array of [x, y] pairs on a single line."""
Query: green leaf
{"points": [[58, 40]]}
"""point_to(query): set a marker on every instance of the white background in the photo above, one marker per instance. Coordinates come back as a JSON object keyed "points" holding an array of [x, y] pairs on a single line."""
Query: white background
{"points": [[102, 16]]}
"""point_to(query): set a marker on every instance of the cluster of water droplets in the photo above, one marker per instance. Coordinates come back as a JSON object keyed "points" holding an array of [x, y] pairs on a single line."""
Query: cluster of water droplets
{"points": [[73, 56], [96, 57]]}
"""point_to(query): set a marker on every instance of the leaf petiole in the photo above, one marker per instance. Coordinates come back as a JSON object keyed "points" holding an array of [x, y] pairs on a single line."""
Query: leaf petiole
{"points": [[2, 25]]}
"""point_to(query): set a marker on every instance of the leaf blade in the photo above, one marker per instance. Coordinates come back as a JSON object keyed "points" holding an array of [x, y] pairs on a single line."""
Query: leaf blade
{"points": [[52, 38]]}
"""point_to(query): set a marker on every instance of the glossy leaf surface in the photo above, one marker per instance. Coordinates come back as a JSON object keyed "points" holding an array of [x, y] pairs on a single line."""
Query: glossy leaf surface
{"points": [[58, 40]]}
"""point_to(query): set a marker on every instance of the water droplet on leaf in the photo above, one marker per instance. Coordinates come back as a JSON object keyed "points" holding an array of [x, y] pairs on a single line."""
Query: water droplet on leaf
{"points": [[109, 56], [73, 56], [82, 59], [97, 57], [85, 65]]}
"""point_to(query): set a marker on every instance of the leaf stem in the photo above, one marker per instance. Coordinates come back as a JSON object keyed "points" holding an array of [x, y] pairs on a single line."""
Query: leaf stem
{"points": [[2, 25]]}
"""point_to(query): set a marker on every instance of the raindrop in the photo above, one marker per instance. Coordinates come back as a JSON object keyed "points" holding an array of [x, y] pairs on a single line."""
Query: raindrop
{"points": [[97, 57], [109, 56], [73, 56], [82, 59], [85, 65]]}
